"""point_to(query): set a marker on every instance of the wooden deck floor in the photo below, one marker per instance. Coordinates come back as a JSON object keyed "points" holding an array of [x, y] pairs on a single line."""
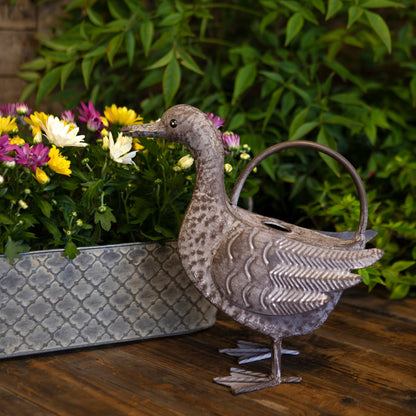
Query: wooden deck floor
{"points": [[362, 361]]}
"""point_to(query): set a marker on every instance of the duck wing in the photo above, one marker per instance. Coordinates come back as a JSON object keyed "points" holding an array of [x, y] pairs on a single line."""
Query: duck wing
{"points": [[266, 272]]}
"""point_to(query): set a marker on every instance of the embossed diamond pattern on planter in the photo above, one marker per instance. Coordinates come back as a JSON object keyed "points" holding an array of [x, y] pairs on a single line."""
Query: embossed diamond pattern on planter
{"points": [[106, 294]]}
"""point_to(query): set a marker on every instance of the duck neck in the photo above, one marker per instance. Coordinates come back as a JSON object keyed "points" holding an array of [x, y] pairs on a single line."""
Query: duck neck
{"points": [[209, 181]]}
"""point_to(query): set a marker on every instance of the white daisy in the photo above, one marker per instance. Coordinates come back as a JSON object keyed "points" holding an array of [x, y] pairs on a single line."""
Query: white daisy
{"points": [[62, 134], [120, 150], [185, 162]]}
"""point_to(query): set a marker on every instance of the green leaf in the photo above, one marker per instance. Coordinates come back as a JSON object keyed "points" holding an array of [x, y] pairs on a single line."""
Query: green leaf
{"points": [[100, 50], [325, 138], [354, 13], [4, 219], [28, 91], [35, 65], [275, 98], [274, 76], [66, 71], [370, 129], [400, 291], [303, 130], [401, 265], [294, 26], [58, 56], [130, 46], [267, 19], [163, 61], [152, 78], [320, 5], [294, 6], [300, 91], [188, 62], [344, 73], [87, 65], [94, 16], [48, 83], [412, 86], [333, 7], [171, 19], [297, 121], [114, 9], [380, 27], [29, 76], [379, 118], [171, 81], [52, 228], [13, 249], [244, 79], [165, 232], [237, 121], [44, 206], [114, 46], [71, 250], [340, 120], [105, 218], [146, 35], [348, 98], [308, 15], [376, 4]]}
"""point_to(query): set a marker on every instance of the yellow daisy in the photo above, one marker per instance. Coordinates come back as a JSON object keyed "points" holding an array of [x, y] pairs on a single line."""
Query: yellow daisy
{"points": [[17, 140], [122, 116], [7, 125], [58, 163], [35, 121], [137, 145], [41, 176]]}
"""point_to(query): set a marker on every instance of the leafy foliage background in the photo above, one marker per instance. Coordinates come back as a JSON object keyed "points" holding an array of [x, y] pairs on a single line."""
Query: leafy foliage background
{"points": [[340, 72]]}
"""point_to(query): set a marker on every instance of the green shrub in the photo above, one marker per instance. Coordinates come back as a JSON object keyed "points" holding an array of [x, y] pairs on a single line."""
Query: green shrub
{"points": [[341, 72]]}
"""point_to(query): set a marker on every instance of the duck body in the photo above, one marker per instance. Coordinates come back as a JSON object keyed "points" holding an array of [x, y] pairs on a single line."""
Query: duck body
{"points": [[271, 276], [247, 269]]}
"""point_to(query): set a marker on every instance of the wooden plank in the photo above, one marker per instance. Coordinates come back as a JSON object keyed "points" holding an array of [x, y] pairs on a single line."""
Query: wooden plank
{"points": [[20, 16], [380, 303], [11, 404], [20, 48], [11, 89], [345, 372]]}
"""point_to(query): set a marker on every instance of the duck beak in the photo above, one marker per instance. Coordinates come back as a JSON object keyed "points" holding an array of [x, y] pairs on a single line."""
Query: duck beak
{"points": [[145, 130]]}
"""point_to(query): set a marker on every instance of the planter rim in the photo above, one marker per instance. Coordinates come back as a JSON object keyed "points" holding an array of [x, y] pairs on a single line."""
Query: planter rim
{"points": [[97, 247]]}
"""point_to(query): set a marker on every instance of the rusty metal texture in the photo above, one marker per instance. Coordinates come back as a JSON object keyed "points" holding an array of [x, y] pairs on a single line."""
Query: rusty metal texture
{"points": [[271, 276]]}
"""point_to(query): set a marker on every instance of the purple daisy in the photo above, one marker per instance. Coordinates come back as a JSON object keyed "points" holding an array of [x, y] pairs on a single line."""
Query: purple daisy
{"points": [[32, 157], [6, 148], [218, 121], [230, 140], [8, 110], [88, 114], [22, 109], [68, 116]]}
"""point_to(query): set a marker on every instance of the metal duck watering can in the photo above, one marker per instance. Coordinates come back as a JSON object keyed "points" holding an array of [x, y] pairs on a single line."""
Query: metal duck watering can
{"points": [[271, 276]]}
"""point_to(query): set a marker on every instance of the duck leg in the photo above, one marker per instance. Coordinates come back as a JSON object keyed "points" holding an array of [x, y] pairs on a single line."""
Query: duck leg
{"points": [[248, 352], [244, 381]]}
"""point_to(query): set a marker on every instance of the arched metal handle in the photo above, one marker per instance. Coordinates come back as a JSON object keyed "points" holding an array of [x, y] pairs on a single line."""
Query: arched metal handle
{"points": [[360, 233]]}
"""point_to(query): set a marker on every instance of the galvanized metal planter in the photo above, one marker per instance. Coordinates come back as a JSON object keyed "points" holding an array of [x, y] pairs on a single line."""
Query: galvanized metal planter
{"points": [[105, 295]]}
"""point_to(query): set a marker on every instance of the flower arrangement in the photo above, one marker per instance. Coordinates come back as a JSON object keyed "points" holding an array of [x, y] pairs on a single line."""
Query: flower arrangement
{"points": [[76, 180]]}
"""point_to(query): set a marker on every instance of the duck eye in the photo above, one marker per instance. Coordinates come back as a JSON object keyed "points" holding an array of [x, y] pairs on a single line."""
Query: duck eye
{"points": [[173, 123]]}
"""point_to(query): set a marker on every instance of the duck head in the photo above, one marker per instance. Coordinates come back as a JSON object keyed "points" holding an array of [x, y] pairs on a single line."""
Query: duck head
{"points": [[186, 125]]}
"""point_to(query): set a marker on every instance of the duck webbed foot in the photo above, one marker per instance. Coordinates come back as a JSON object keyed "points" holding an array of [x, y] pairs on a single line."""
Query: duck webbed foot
{"points": [[248, 352], [245, 381]]}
